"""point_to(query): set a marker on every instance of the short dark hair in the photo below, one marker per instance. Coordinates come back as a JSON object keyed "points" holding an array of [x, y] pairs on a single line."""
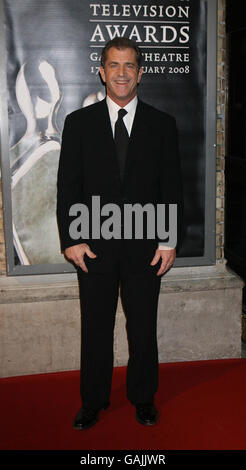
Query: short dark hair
{"points": [[121, 43]]}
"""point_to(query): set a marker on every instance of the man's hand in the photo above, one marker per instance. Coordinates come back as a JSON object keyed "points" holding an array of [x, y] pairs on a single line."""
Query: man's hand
{"points": [[168, 258], [76, 254]]}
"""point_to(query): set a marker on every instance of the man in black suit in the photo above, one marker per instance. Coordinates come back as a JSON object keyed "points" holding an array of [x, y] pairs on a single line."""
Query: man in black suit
{"points": [[125, 159]]}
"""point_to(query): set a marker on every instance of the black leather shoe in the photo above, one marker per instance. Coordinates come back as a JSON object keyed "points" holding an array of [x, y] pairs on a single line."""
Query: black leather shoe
{"points": [[86, 418], [146, 414]]}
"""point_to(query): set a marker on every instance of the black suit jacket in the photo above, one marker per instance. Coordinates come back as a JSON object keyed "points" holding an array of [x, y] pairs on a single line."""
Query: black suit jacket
{"points": [[88, 166]]}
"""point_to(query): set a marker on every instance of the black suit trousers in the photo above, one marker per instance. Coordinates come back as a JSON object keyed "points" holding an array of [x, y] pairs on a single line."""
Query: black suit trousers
{"points": [[99, 294]]}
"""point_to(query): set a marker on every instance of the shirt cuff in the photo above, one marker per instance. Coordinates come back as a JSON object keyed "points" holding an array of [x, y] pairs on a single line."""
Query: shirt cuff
{"points": [[164, 247]]}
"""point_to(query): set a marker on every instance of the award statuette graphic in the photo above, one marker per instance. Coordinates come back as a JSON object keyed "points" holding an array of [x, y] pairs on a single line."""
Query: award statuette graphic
{"points": [[34, 164]]}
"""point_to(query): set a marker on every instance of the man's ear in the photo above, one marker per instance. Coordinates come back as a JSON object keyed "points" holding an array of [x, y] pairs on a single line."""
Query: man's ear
{"points": [[102, 73], [140, 73]]}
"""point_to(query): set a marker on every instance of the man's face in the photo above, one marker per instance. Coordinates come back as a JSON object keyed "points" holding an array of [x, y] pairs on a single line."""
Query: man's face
{"points": [[121, 75]]}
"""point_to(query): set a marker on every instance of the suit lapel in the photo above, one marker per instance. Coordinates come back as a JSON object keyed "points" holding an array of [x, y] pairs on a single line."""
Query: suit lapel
{"points": [[139, 130], [106, 135]]}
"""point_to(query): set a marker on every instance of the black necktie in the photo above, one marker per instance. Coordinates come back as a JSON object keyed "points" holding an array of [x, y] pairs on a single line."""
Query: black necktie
{"points": [[121, 138]]}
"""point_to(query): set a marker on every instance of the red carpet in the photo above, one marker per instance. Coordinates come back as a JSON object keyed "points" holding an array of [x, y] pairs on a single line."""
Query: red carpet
{"points": [[201, 404]]}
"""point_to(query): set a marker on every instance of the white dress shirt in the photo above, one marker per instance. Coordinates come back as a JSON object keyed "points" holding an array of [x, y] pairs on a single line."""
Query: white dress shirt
{"points": [[128, 119]]}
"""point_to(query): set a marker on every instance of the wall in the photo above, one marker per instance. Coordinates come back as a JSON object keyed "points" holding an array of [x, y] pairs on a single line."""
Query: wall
{"points": [[221, 128], [2, 242]]}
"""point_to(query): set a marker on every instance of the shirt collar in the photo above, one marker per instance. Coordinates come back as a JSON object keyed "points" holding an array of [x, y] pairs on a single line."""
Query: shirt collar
{"points": [[114, 107]]}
